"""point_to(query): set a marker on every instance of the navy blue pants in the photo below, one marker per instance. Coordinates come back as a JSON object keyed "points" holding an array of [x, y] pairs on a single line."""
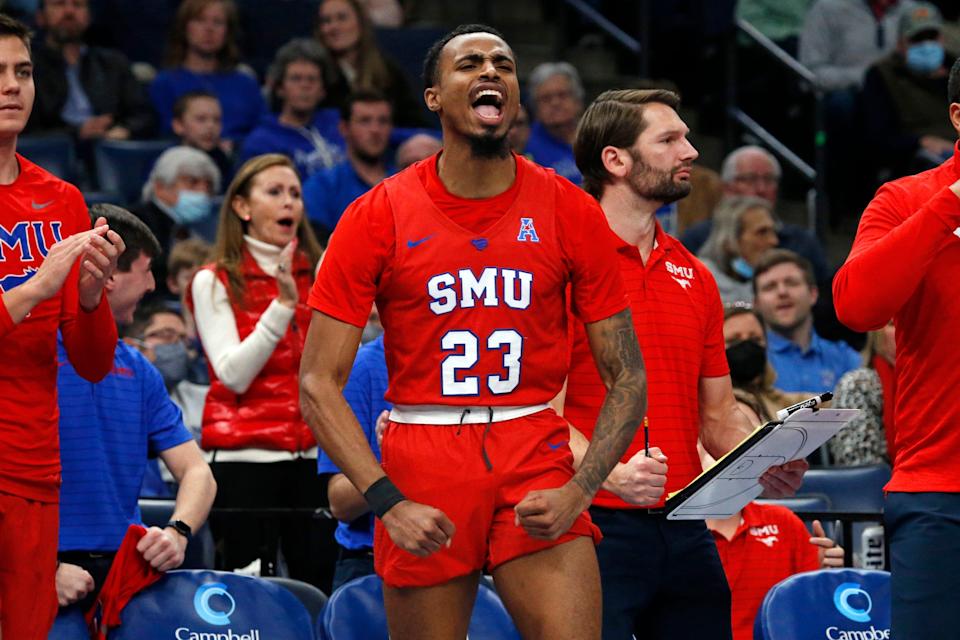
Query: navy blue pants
{"points": [[661, 578], [924, 534]]}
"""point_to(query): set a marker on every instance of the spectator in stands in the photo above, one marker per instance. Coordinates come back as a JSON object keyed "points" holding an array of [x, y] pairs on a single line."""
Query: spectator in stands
{"points": [[746, 348], [183, 260], [419, 146], [87, 91], [556, 100], [202, 54], [785, 294], [177, 198], [743, 230], [839, 41], [763, 544], [198, 123], [779, 20], [364, 393], [344, 28], [384, 13], [365, 124], [251, 313], [868, 438], [299, 129], [109, 428], [903, 96], [162, 336], [520, 132], [754, 171]]}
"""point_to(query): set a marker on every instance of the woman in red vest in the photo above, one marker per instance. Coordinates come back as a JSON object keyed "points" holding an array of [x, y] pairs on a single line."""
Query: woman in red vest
{"points": [[252, 318]]}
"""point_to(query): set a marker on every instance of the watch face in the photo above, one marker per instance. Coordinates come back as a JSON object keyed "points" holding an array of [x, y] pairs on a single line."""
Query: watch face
{"points": [[181, 527]]}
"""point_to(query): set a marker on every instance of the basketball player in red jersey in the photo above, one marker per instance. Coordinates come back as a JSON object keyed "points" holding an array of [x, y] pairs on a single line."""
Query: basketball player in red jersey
{"points": [[468, 255], [52, 271]]}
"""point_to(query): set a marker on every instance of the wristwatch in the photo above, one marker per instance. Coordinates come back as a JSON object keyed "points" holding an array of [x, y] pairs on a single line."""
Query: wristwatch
{"points": [[180, 527]]}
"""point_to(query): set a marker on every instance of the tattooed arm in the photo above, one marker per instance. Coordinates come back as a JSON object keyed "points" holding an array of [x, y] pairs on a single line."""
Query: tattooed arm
{"points": [[550, 513]]}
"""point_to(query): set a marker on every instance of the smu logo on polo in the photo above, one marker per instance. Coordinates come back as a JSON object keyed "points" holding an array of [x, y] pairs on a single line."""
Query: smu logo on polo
{"points": [[26, 241], [490, 288], [682, 275]]}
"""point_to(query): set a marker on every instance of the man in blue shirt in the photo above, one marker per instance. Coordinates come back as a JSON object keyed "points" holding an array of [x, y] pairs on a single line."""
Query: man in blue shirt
{"points": [[107, 432], [365, 124], [786, 291], [556, 98], [364, 393]]}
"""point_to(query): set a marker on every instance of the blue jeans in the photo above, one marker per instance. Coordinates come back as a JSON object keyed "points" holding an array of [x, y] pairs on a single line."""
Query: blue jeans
{"points": [[924, 534], [661, 578]]}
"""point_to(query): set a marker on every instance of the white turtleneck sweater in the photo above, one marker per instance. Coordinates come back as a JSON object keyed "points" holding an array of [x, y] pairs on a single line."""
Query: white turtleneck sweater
{"points": [[237, 362]]}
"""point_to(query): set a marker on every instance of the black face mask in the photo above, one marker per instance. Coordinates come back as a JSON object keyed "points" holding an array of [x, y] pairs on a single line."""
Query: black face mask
{"points": [[747, 360]]}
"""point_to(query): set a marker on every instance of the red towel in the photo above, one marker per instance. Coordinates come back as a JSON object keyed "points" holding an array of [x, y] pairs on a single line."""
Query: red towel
{"points": [[128, 575]]}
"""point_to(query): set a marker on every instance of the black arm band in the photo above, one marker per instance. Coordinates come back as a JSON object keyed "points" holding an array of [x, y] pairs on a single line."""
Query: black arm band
{"points": [[382, 495]]}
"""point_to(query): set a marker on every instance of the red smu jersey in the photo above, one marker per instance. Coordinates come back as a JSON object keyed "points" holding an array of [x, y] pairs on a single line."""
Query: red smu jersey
{"points": [[36, 211], [472, 318]]}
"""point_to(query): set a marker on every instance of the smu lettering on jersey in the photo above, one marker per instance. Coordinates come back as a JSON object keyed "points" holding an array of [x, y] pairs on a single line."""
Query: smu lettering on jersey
{"points": [[473, 318]]}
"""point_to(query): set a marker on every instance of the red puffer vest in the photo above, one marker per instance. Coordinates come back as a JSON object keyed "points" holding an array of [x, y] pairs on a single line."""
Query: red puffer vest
{"points": [[267, 416]]}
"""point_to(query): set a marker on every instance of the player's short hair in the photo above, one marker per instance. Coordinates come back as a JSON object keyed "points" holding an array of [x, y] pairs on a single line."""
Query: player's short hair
{"points": [[11, 27], [774, 257], [188, 253], [431, 61], [614, 119], [136, 235], [183, 102], [953, 84], [362, 96]]}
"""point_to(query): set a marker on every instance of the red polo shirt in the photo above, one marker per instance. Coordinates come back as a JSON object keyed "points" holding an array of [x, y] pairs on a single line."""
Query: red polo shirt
{"points": [[771, 544], [678, 318]]}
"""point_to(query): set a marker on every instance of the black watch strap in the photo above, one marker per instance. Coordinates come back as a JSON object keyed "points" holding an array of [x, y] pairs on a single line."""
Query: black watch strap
{"points": [[180, 527]]}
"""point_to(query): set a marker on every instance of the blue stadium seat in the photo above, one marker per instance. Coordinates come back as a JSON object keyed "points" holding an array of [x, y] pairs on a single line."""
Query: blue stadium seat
{"points": [[123, 166], [850, 489], [213, 604], [55, 153], [355, 612], [802, 503], [831, 603], [69, 625], [312, 598], [200, 552]]}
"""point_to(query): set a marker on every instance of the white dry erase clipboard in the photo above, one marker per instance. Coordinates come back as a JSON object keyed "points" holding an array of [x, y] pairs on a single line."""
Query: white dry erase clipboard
{"points": [[733, 482]]}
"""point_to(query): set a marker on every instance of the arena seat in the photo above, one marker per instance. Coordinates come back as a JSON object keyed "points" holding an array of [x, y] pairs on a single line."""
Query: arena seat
{"points": [[69, 625], [355, 612], [806, 502], [831, 603], [213, 604], [55, 153], [312, 598], [123, 166], [850, 489], [200, 552]]}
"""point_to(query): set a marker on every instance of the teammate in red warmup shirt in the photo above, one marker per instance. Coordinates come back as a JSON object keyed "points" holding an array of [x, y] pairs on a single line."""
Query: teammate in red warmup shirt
{"points": [[661, 578], [52, 271], [469, 255], [905, 265]]}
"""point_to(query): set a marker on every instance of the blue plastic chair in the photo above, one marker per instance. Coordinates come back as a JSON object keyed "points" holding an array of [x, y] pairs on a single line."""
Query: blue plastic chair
{"points": [[850, 489], [826, 603], [206, 603], [55, 153], [312, 598], [355, 612], [124, 165], [807, 502], [69, 625]]}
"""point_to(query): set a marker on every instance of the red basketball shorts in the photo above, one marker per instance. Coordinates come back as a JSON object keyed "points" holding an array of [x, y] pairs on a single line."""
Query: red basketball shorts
{"points": [[444, 467], [28, 567]]}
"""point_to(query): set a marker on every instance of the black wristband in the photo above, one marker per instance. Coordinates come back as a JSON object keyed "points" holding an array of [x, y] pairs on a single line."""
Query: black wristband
{"points": [[382, 495]]}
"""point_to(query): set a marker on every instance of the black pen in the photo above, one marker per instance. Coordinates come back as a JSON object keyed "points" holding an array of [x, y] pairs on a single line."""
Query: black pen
{"points": [[810, 403], [646, 436]]}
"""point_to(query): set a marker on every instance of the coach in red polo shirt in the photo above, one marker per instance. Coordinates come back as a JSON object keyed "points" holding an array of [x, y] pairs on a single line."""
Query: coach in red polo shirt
{"points": [[660, 578]]}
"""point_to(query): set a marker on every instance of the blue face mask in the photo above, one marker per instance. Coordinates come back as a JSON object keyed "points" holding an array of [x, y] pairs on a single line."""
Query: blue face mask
{"points": [[925, 57], [742, 268], [192, 206]]}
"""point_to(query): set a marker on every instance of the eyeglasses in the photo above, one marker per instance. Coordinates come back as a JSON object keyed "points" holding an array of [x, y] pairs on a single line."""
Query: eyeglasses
{"points": [[757, 178], [164, 336]]}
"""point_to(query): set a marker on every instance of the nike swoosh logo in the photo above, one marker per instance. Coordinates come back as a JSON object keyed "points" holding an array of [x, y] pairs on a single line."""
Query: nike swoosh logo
{"points": [[41, 205], [414, 243], [558, 445]]}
